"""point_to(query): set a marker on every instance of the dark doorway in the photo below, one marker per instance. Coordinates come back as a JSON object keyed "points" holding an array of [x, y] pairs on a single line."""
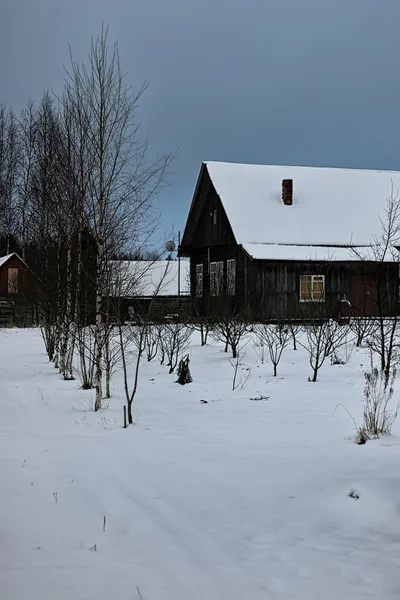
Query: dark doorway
{"points": [[363, 296]]}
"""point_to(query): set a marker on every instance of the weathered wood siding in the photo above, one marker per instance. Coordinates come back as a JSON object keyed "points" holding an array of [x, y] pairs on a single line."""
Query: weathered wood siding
{"points": [[271, 290], [275, 289], [12, 263], [208, 225], [211, 305], [16, 312], [155, 309]]}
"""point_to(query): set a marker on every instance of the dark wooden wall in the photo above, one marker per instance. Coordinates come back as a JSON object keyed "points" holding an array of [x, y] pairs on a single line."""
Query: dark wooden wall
{"points": [[271, 290], [157, 308], [12, 263], [207, 304], [201, 231], [275, 289]]}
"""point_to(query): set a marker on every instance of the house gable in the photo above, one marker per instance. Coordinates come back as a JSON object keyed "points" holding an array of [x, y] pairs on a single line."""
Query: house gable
{"points": [[10, 280], [207, 223]]}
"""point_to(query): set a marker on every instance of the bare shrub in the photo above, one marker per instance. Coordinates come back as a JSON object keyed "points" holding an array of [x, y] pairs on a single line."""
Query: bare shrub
{"points": [[241, 373], [362, 328], [159, 331], [384, 342], [323, 339], [343, 355], [175, 342], [261, 350], [152, 341], [204, 327], [275, 338], [379, 414], [231, 331]]}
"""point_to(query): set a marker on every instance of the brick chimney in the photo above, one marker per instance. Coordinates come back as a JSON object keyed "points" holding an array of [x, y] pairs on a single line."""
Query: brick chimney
{"points": [[287, 191]]}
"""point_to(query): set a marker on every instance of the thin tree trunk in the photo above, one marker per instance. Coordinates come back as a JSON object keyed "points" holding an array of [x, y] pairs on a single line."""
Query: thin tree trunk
{"points": [[136, 380], [107, 343]]}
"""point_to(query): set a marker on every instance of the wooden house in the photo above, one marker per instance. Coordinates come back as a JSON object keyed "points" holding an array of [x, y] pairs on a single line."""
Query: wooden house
{"points": [[14, 309], [153, 290], [271, 242]]}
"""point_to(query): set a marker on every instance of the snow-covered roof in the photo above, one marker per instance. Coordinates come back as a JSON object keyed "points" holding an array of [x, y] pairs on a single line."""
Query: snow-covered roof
{"points": [[314, 253], [4, 259], [330, 206], [132, 278]]}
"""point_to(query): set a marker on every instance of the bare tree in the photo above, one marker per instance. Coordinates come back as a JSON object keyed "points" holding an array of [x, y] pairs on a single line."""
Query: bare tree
{"points": [[204, 327], [295, 329], [152, 341], [383, 338], [175, 342], [9, 159], [46, 257], [120, 183], [130, 391], [362, 328], [28, 131], [275, 338], [241, 373], [260, 349], [323, 338], [230, 329]]}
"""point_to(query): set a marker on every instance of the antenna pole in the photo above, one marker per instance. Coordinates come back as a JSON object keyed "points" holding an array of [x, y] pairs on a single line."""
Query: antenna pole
{"points": [[179, 276]]}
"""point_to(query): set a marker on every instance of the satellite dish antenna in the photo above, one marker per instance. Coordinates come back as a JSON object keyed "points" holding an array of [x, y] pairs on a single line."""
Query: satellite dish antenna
{"points": [[170, 246]]}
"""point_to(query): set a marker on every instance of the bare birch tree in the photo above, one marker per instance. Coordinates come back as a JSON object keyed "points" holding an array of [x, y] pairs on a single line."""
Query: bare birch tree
{"points": [[120, 183], [28, 132], [9, 158]]}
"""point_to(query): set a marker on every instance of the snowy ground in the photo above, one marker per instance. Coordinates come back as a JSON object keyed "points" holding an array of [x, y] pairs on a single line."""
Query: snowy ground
{"points": [[232, 499]]}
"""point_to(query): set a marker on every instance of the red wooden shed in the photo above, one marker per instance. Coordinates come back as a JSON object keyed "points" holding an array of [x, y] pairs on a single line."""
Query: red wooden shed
{"points": [[13, 304]]}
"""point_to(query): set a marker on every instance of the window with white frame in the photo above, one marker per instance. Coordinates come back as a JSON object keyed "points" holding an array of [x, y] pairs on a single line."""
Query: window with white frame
{"points": [[312, 288], [231, 277], [216, 278], [199, 280]]}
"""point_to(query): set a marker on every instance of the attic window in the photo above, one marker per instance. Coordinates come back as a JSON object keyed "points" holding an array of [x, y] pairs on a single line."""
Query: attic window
{"points": [[312, 288], [214, 216], [12, 286]]}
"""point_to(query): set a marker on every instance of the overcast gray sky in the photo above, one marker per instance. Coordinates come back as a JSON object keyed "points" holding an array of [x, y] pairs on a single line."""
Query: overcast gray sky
{"points": [[307, 82]]}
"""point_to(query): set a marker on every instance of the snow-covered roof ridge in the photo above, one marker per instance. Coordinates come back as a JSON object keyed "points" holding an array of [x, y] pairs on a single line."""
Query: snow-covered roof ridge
{"points": [[331, 206], [217, 162], [4, 259], [303, 252]]}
